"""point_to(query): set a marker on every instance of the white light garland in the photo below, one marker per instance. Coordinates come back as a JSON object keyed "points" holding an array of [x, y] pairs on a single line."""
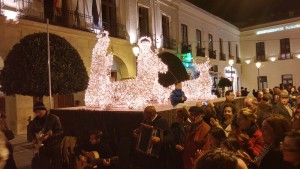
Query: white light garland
{"points": [[143, 90]]}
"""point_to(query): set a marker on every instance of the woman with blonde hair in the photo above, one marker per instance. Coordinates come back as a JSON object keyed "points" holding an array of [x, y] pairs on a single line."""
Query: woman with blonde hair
{"points": [[249, 137]]}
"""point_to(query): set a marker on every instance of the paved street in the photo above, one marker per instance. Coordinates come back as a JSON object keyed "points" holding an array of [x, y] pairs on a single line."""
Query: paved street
{"points": [[22, 151]]}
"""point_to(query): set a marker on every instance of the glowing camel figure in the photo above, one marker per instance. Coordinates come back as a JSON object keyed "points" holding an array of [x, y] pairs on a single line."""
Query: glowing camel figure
{"points": [[141, 91]]}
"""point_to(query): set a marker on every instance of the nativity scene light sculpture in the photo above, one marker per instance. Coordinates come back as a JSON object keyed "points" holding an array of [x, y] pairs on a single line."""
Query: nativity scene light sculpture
{"points": [[144, 89]]}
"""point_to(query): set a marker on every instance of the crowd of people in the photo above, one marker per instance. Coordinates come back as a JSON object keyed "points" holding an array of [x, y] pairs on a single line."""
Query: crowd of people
{"points": [[262, 133]]}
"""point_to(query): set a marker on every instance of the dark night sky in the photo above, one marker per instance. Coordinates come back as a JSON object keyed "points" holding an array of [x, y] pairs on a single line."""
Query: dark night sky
{"points": [[250, 12]]}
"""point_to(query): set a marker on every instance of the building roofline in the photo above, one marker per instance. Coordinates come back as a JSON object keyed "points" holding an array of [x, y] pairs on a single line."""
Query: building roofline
{"points": [[270, 24], [208, 14]]}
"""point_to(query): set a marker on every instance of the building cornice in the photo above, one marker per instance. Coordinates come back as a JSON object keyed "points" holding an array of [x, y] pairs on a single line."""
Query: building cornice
{"points": [[271, 24]]}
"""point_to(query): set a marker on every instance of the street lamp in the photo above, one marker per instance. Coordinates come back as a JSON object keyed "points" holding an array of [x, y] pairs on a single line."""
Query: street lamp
{"points": [[231, 61], [258, 65]]}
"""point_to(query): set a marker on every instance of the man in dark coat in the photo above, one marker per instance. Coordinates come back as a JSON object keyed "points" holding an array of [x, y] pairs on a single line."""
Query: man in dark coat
{"points": [[46, 131], [283, 107], [155, 157]]}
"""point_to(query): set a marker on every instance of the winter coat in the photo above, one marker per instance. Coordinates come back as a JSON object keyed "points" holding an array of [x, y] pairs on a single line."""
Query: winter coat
{"points": [[45, 124], [176, 97], [160, 149], [195, 140], [255, 143], [279, 108]]}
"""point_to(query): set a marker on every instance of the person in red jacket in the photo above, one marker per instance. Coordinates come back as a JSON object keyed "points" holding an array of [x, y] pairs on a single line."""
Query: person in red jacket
{"points": [[250, 137], [197, 138]]}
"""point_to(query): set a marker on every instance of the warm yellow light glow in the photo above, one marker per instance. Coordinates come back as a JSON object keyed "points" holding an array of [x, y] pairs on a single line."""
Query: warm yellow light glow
{"points": [[298, 56], [272, 58], [258, 64], [231, 61], [248, 61], [10, 15], [136, 50], [132, 37]]}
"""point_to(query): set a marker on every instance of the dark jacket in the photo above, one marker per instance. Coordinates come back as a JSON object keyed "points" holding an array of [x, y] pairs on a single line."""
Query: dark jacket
{"points": [[180, 131], [279, 108], [176, 97], [45, 124], [272, 160], [160, 149]]}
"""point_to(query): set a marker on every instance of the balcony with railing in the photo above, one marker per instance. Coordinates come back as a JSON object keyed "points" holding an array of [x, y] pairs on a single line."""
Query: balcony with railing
{"points": [[212, 54], [200, 51], [71, 19], [185, 48], [284, 56], [260, 58], [223, 56], [169, 43]]}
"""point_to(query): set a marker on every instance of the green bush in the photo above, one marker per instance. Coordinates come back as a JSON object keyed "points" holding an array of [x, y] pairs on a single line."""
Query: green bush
{"points": [[224, 82], [25, 69]]}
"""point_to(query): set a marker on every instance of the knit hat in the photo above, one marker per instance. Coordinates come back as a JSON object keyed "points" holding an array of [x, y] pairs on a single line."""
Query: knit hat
{"points": [[39, 106]]}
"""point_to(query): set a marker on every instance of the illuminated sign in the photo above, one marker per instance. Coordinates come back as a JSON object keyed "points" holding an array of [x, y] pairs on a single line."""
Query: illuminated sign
{"points": [[282, 28], [188, 57], [230, 72]]}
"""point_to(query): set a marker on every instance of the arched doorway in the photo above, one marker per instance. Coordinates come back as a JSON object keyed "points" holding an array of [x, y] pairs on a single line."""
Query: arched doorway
{"points": [[119, 69]]}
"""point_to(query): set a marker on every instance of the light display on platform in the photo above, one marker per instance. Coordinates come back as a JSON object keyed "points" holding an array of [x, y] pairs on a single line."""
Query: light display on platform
{"points": [[144, 89]]}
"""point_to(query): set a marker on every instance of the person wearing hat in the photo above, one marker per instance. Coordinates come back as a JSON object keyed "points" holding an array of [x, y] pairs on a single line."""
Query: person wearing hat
{"points": [[180, 128], [47, 132], [283, 107], [196, 139]]}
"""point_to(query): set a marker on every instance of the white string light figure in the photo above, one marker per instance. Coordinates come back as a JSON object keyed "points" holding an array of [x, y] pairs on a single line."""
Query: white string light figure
{"points": [[143, 90], [200, 87], [99, 91]]}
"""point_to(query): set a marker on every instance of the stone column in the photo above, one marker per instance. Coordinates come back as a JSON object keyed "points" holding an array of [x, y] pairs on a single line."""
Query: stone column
{"points": [[18, 109]]}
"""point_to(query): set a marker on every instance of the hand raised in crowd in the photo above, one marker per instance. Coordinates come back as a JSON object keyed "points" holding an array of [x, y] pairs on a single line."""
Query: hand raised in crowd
{"points": [[106, 162], [215, 122], [155, 139], [179, 147]]}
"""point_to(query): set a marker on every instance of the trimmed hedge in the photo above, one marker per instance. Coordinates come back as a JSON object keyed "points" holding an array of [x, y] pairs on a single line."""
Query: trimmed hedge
{"points": [[25, 69]]}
